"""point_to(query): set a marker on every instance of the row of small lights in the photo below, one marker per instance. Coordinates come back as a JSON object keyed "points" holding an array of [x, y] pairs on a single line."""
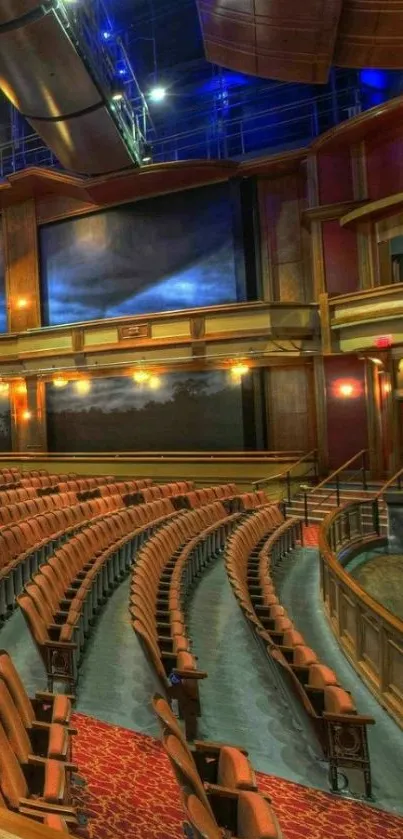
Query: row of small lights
{"points": [[82, 386]]}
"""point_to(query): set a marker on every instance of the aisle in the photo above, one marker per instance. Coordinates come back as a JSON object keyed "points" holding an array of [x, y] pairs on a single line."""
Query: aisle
{"points": [[299, 593], [241, 703]]}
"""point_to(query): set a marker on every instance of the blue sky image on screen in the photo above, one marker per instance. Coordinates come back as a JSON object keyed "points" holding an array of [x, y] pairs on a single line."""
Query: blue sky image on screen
{"points": [[3, 306], [172, 252], [188, 411]]}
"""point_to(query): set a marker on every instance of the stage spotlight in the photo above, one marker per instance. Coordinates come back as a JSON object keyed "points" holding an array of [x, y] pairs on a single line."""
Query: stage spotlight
{"points": [[117, 92], [106, 35], [157, 94], [83, 386]]}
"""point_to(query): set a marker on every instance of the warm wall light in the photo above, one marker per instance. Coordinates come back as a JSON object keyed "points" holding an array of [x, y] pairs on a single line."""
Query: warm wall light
{"points": [[26, 415], [4, 388], [83, 386], [346, 390], [21, 388], [154, 382], [22, 303], [60, 381], [377, 361], [141, 376], [387, 387], [239, 369]]}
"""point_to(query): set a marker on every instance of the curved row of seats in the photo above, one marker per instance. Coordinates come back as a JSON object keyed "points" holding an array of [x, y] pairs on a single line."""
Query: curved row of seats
{"points": [[35, 752], [165, 571], [227, 493], [253, 554], [217, 783], [64, 596], [25, 545]]}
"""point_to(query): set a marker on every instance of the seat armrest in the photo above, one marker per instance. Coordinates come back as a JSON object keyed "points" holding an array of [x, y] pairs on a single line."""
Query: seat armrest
{"points": [[44, 807], [215, 747], [356, 719], [190, 674]]}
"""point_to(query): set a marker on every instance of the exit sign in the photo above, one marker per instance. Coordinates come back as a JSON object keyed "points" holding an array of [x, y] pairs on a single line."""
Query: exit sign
{"points": [[383, 342]]}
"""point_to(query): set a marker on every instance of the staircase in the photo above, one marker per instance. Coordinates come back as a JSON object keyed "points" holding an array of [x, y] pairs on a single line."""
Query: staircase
{"points": [[322, 501]]}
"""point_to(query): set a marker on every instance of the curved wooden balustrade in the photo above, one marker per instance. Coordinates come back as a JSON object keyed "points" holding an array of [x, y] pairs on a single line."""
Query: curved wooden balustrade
{"points": [[370, 636]]}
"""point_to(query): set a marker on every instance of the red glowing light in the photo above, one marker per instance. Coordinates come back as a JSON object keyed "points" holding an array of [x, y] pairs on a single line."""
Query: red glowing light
{"points": [[383, 342], [347, 388]]}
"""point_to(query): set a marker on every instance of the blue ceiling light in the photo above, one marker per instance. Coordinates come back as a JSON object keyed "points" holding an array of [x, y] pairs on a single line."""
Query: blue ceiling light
{"points": [[157, 93], [106, 35]]}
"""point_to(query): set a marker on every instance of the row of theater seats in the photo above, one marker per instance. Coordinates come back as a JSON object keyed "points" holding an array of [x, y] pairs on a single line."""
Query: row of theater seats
{"points": [[217, 783], [164, 573], [35, 752], [253, 555], [27, 544], [61, 601]]}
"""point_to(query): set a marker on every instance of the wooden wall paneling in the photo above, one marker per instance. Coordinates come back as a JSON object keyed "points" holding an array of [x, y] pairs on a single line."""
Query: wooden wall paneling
{"points": [[359, 171], [312, 180], [320, 413], [21, 266], [372, 396], [385, 263], [318, 267], [340, 258], [291, 420], [265, 243], [283, 223], [325, 331], [366, 271]]}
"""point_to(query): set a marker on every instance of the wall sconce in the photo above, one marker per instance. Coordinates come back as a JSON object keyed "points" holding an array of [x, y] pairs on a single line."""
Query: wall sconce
{"points": [[60, 381], [22, 303], [21, 388], [239, 369], [154, 382], [141, 377], [377, 361], [386, 387], [26, 415], [83, 386]]}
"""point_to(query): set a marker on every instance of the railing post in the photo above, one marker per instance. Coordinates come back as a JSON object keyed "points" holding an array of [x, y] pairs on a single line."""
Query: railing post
{"points": [[306, 513], [337, 490], [364, 471], [288, 479], [375, 516]]}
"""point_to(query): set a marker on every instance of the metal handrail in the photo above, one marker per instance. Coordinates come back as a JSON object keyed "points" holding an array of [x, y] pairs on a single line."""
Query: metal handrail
{"points": [[341, 468], [396, 477], [287, 472], [334, 476]]}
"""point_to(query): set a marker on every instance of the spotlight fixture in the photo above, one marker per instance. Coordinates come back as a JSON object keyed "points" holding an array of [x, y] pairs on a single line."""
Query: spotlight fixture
{"points": [[60, 381], [157, 93], [83, 386], [117, 92], [147, 153], [106, 35], [141, 377]]}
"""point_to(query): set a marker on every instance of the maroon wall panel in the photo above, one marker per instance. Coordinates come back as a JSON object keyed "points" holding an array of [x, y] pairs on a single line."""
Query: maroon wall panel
{"points": [[340, 258], [384, 165], [335, 177], [346, 415]]}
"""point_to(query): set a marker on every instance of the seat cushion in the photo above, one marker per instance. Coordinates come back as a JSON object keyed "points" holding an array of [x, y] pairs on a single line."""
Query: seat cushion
{"points": [[58, 741], [320, 675], [234, 770], [256, 819], [338, 701]]}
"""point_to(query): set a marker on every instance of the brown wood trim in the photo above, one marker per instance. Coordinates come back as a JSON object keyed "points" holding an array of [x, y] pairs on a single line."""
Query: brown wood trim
{"points": [[318, 265], [365, 317], [374, 118], [326, 334], [374, 209], [376, 292], [325, 212], [312, 180], [321, 415]]}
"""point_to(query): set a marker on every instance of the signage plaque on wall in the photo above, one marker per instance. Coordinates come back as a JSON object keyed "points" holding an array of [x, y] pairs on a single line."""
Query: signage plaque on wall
{"points": [[133, 331]]}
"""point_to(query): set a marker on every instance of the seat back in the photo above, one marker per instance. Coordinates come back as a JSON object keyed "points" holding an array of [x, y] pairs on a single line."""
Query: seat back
{"points": [[203, 823], [184, 768], [13, 785], [167, 719], [16, 688], [13, 725]]}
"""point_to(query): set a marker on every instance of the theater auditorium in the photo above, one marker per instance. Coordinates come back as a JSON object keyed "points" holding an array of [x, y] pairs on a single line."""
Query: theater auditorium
{"points": [[201, 425]]}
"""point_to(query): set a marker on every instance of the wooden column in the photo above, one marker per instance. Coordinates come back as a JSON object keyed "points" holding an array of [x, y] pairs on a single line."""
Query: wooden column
{"points": [[21, 266], [28, 415], [321, 414], [375, 460]]}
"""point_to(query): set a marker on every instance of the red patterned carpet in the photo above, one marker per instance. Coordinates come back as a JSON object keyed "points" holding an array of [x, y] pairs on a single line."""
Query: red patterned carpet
{"points": [[131, 794], [311, 535]]}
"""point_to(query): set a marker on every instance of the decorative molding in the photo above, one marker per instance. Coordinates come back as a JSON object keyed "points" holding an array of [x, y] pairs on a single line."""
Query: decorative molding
{"points": [[318, 265], [132, 331], [326, 212], [197, 327], [77, 340]]}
